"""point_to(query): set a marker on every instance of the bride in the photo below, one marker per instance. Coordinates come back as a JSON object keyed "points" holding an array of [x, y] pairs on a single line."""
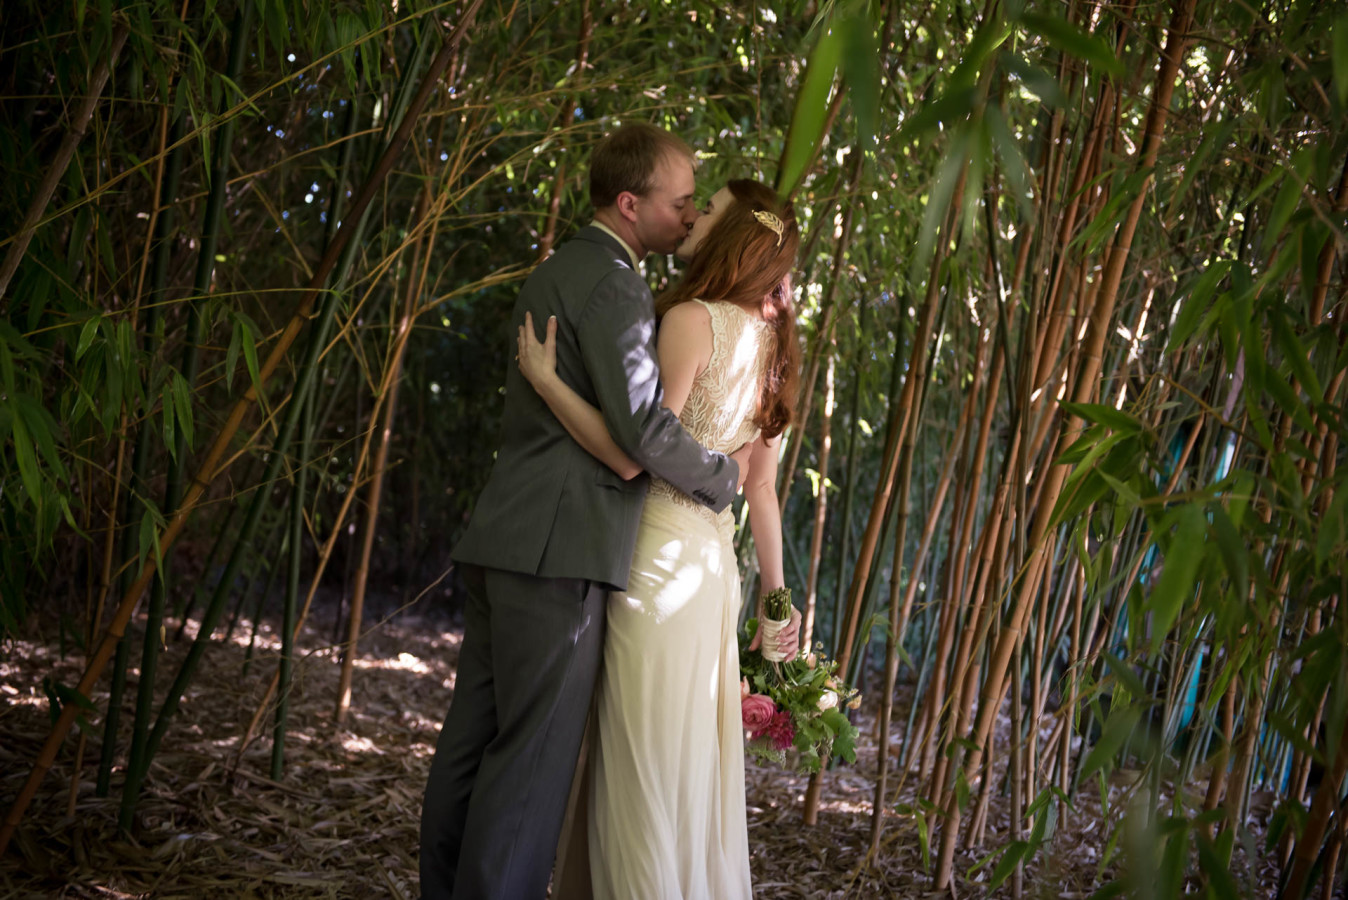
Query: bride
{"points": [[662, 798]]}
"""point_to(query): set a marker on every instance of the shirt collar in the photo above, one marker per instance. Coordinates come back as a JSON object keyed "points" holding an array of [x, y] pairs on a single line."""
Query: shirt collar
{"points": [[631, 254]]}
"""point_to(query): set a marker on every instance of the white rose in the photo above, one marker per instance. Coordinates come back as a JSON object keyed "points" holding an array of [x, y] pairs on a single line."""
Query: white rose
{"points": [[827, 701]]}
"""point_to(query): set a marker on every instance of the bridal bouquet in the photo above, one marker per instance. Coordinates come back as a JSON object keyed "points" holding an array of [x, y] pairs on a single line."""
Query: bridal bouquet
{"points": [[795, 704]]}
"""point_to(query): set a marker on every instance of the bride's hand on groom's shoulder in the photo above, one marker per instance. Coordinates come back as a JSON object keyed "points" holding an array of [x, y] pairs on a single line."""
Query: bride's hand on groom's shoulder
{"points": [[537, 361]]}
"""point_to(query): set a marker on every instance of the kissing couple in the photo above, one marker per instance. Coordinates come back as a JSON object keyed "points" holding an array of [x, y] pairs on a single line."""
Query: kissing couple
{"points": [[599, 557]]}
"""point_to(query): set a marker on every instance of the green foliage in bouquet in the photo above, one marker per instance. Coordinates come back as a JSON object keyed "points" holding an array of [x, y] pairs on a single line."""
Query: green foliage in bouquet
{"points": [[795, 704]]}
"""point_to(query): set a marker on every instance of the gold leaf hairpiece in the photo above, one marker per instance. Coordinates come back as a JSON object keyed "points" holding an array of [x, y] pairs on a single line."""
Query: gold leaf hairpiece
{"points": [[766, 218]]}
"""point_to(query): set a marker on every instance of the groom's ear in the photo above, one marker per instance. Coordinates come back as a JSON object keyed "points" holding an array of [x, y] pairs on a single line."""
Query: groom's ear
{"points": [[627, 205]]}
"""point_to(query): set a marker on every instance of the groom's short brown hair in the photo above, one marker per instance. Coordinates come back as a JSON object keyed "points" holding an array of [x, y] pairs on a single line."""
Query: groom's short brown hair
{"points": [[625, 160]]}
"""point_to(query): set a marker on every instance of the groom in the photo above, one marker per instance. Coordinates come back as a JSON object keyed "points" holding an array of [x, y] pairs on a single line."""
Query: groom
{"points": [[553, 532]]}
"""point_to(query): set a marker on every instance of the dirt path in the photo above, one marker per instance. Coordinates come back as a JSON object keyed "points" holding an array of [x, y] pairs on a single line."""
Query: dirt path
{"points": [[343, 822]]}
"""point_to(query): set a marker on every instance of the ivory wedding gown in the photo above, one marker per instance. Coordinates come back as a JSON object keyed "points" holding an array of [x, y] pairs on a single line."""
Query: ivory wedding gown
{"points": [[665, 791]]}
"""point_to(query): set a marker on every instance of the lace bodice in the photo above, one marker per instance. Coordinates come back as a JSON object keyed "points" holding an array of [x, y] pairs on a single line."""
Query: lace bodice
{"points": [[721, 405]]}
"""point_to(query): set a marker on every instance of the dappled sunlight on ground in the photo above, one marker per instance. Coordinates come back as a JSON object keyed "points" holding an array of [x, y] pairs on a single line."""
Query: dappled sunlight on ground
{"points": [[342, 820]]}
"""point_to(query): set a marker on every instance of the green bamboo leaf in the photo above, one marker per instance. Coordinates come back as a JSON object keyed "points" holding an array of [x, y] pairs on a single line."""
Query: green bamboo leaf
{"points": [[1231, 545], [1106, 415], [42, 428], [1124, 674], [1082, 446], [1195, 302], [861, 71], [1044, 824], [1215, 864], [1297, 356], [124, 344], [6, 366], [811, 111], [1118, 729], [182, 401], [1014, 167], [1106, 222], [986, 40], [1015, 854], [1073, 40], [1170, 875], [951, 107], [1198, 162], [1129, 498], [1333, 530], [1073, 503], [250, 355], [1284, 204], [232, 352], [26, 458], [939, 200], [1183, 556], [1040, 83], [148, 539], [61, 695], [87, 335], [1286, 399], [923, 840], [1294, 733], [170, 438]]}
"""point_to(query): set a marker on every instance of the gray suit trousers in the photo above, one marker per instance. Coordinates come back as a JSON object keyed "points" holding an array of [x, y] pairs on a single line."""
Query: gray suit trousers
{"points": [[498, 784]]}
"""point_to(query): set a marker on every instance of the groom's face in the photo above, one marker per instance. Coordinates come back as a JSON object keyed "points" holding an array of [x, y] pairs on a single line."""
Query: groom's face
{"points": [[666, 212]]}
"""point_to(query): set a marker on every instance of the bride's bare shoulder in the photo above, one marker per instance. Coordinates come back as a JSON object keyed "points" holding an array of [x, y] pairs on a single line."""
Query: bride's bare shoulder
{"points": [[689, 318], [688, 327]]}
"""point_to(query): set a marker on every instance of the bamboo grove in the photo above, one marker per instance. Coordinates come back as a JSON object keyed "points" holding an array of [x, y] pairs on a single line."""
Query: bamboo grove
{"points": [[1064, 489]]}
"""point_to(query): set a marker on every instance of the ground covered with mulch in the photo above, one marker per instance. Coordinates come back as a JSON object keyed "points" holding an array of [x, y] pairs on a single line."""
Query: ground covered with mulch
{"points": [[342, 822]]}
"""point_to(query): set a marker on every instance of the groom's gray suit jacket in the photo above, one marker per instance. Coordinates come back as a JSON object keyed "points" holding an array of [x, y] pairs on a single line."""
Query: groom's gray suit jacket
{"points": [[550, 508]]}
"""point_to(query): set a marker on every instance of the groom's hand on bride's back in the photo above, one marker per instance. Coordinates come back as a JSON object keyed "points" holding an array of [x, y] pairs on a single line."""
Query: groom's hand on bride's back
{"points": [[741, 456]]}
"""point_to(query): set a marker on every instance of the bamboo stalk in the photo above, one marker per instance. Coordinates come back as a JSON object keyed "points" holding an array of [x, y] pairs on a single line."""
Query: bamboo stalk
{"points": [[894, 639], [285, 666], [372, 503], [823, 339], [210, 464], [821, 504], [568, 106], [1086, 381], [904, 410], [849, 483], [79, 127], [1317, 822]]}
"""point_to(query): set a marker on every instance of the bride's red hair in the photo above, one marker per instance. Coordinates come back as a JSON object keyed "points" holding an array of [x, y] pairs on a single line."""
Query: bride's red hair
{"points": [[742, 261]]}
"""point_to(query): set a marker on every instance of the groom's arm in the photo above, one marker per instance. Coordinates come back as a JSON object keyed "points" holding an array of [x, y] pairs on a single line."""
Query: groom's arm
{"points": [[616, 333]]}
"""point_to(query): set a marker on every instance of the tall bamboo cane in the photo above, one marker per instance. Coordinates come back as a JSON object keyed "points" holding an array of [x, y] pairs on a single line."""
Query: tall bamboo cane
{"points": [[79, 127], [568, 106], [821, 504], [209, 466], [902, 414], [1086, 382], [376, 484], [137, 764]]}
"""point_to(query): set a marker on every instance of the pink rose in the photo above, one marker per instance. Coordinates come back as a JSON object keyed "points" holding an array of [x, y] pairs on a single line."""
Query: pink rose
{"points": [[780, 731], [744, 689], [757, 711]]}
